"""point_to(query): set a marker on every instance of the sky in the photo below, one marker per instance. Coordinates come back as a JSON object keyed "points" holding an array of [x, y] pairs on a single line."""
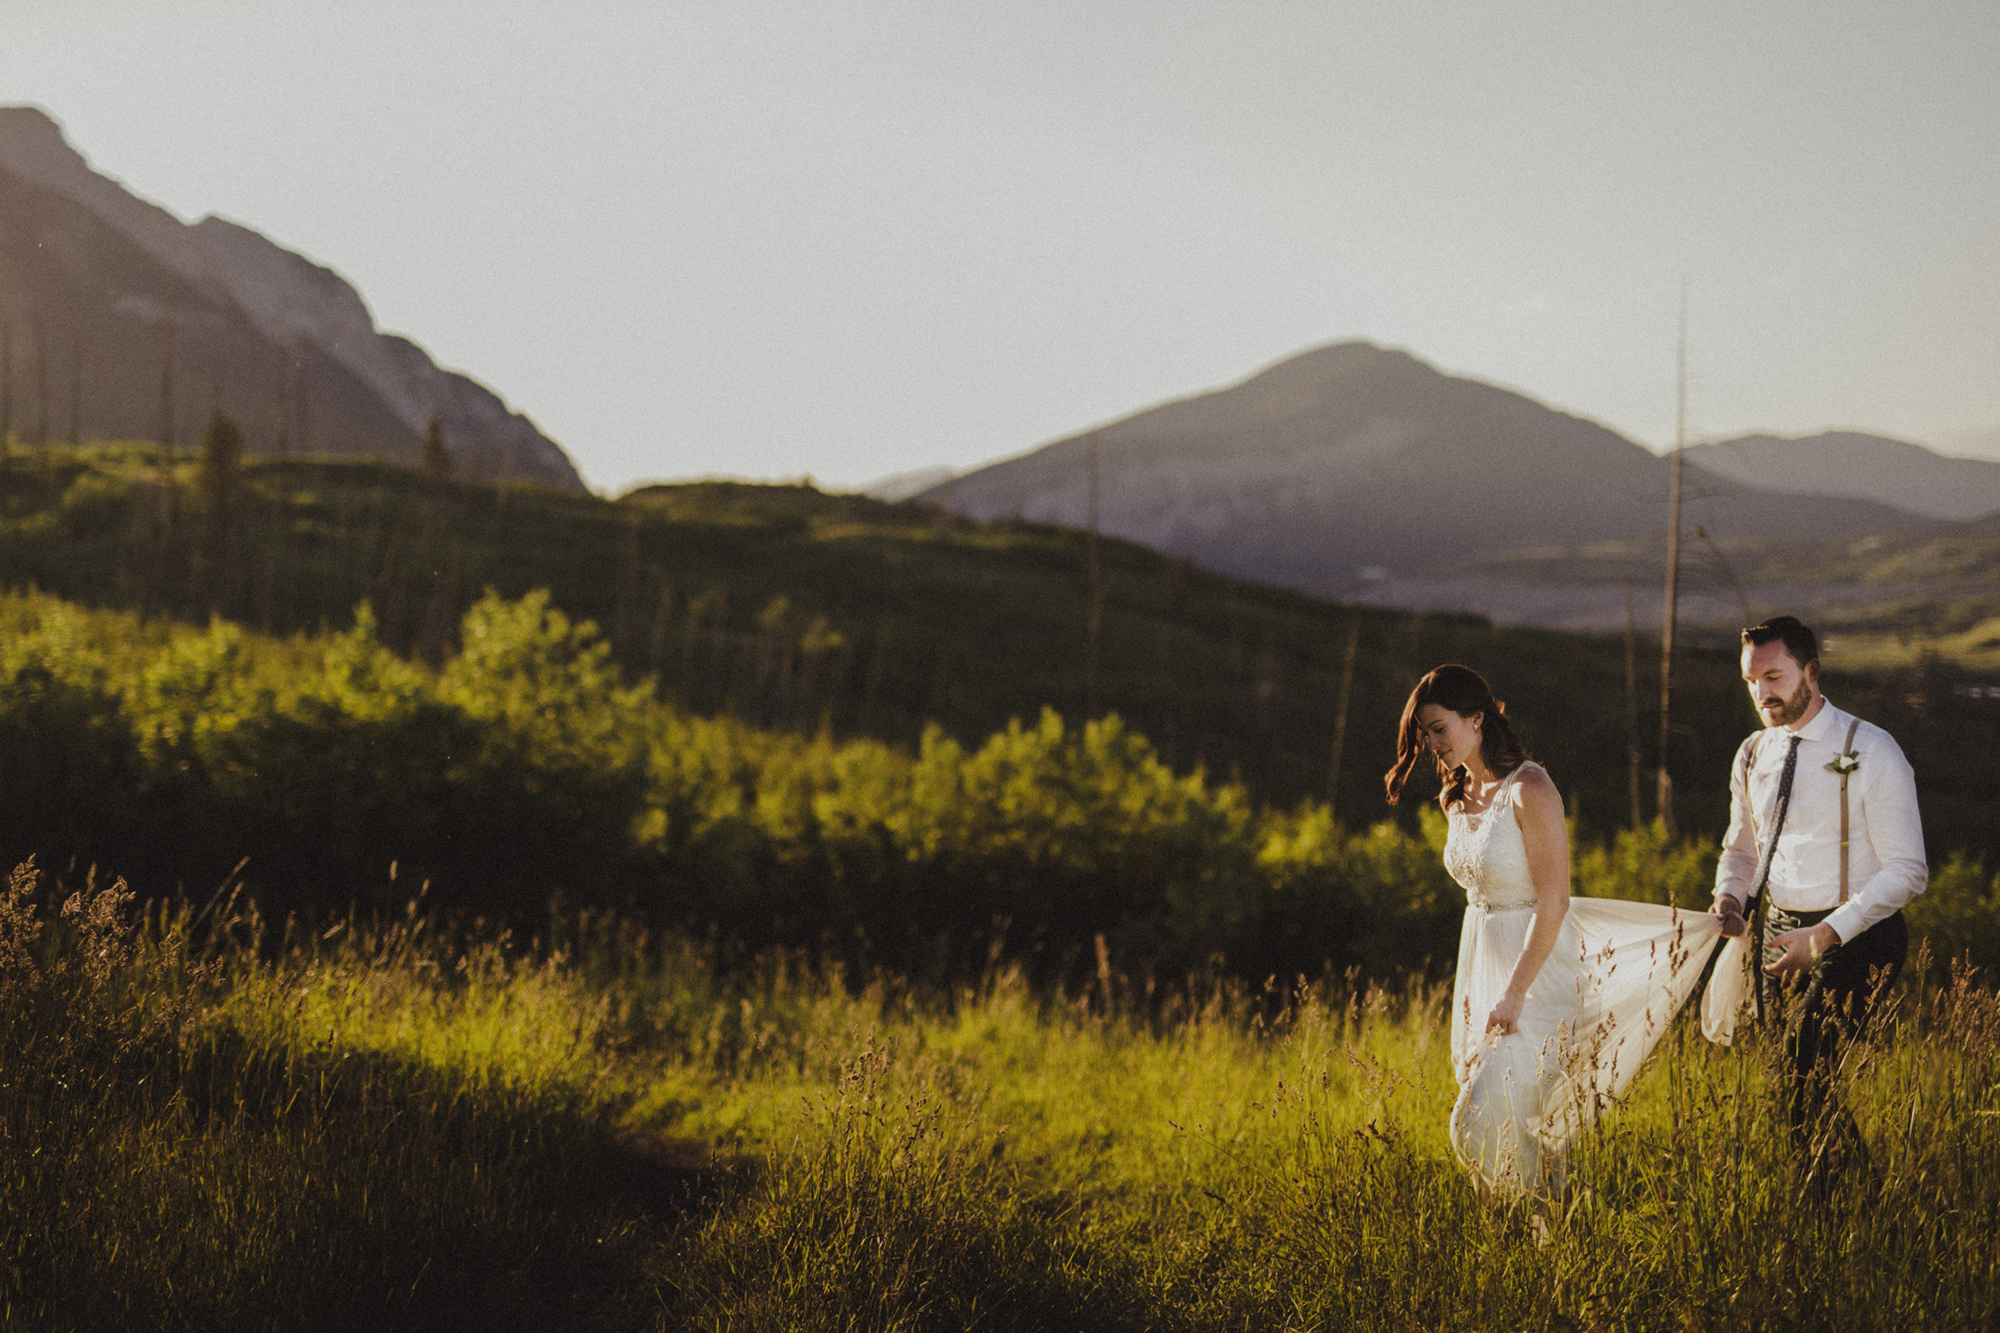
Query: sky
{"points": [[845, 240]]}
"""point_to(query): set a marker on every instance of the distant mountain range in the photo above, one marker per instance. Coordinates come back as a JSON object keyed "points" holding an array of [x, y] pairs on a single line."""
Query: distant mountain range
{"points": [[118, 320], [1353, 465], [1861, 466]]}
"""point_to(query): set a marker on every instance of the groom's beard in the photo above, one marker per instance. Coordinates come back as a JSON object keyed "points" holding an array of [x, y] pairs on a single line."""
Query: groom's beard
{"points": [[1791, 709]]}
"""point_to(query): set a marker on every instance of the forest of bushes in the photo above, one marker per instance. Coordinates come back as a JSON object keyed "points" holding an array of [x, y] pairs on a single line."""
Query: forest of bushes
{"points": [[526, 770], [789, 608]]}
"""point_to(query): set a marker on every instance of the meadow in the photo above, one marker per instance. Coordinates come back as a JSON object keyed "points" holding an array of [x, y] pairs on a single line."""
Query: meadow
{"points": [[446, 962], [208, 1121]]}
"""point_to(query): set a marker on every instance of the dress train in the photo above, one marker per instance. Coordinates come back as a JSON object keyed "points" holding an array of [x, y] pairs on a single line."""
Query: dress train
{"points": [[1619, 972]]}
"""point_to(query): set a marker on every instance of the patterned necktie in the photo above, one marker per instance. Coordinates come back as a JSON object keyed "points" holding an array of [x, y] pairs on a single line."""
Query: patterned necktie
{"points": [[1784, 804], [1763, 980]]}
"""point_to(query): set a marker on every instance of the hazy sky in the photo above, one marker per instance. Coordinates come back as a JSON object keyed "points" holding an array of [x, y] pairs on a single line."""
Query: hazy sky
{"points": [[851, 239]]}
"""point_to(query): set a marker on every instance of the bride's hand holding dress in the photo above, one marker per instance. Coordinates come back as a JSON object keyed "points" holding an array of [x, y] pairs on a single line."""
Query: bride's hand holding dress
{"points": [[1536, 806], [1575, 992], [1506, 1015], [1557, 1001]]}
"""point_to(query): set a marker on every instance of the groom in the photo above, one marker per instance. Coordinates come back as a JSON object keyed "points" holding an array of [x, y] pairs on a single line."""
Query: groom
{"points": [[1823, 812]]}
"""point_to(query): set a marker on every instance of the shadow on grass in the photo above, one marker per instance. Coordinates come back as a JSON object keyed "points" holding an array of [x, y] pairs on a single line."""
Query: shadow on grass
{"points": [[224, 1185]]}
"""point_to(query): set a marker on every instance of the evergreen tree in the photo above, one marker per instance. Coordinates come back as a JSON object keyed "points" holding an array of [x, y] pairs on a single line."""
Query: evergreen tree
{"points": [[221, 478], [437, 458], [221, 463]]}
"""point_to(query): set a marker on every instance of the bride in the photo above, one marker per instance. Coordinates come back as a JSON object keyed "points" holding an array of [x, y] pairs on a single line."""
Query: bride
{"points": [[1557, 1000]]}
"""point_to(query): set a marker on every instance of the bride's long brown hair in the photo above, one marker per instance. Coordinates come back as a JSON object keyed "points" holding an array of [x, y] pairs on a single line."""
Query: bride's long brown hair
{"points": [[1465, 692]]}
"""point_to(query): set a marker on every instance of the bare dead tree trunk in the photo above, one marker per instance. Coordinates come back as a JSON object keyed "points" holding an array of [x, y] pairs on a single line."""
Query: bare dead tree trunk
{"points": [[1632, 705], [167, 385], [1094, 576], [6, 386], [1340, 715], [1666, 792], [76, 388]]}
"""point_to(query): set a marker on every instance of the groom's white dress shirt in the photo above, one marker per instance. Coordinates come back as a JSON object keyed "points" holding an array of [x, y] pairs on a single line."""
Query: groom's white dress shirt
{"points": [[1886, 866]]}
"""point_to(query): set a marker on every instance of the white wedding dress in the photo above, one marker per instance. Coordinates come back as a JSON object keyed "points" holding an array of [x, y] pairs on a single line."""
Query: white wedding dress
{"points": [[1618, 973]]}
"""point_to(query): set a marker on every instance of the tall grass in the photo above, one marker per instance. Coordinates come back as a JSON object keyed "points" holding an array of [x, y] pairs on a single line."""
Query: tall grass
{"points": [[1229, 1172], [208, 1123], [191, 1137]]}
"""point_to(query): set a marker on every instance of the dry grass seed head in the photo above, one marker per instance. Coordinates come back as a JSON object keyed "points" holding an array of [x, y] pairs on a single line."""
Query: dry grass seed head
{"points": [[105, 940], [20, 928]]}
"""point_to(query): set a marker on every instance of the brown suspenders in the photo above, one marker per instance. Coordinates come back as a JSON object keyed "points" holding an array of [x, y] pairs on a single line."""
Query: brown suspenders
{"points": [[1757, 905], [1750, 762], [1845, 773]]}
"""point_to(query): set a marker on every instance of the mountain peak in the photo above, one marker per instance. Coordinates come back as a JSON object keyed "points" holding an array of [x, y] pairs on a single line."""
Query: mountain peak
{"points": [[1333, 364], [32, 125], [34, 148], [1348, 356], [1352, 456], [286, 346]]}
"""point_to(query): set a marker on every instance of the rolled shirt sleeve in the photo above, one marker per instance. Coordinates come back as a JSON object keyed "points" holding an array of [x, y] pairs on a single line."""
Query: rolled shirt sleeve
{"points": [[1885, 814], [1736, 870]]}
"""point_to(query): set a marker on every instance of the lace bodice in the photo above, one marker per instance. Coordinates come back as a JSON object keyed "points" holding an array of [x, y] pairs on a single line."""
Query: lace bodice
{"points": [[1487, 855]]}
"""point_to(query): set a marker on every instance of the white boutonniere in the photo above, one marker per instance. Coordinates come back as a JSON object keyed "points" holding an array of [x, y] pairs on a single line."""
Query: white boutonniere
{"points": [[1845, 764]]}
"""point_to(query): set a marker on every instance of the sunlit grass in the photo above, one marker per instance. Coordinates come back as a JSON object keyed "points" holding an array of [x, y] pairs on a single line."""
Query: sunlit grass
{"points": [[1976, 648], [207, 1123]]}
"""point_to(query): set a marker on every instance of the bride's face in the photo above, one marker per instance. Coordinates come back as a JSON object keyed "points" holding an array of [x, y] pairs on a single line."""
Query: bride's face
{"points": [[1453, 737]]}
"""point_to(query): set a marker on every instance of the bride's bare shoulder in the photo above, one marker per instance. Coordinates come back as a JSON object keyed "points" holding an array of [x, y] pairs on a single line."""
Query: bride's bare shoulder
{"points": [[1533, 787]]}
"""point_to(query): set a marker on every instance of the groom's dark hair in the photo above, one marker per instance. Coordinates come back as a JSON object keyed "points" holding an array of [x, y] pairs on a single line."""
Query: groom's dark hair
{"points": [[1798, 638]]}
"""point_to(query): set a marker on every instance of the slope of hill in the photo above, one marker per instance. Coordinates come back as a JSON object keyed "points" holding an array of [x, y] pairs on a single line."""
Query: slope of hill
{"points": [[117, 320], [1884, 599], [1859, 466], [793, 608], [1354, 457], [801, 610]]}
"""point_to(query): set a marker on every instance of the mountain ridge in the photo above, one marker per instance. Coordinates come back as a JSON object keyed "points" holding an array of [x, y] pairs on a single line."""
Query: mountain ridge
{"points": [[1351, 458], [284, 344], [1860, 464]]}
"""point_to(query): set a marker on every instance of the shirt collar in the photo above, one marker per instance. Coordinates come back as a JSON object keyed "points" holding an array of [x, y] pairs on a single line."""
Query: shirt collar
{"points": [[1822, 724]]}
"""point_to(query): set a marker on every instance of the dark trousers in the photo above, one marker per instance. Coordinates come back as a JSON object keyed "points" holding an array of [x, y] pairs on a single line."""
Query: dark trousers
{"points": [[1828, 1005]]}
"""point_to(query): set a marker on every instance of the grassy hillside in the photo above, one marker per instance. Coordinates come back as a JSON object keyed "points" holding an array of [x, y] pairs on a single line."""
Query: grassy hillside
{"points": [[797, 610], [1938, 593], [1884, 601]]}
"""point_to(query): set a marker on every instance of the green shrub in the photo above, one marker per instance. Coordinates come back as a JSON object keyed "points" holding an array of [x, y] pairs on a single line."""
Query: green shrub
{"points": [[1644, 863], [1958, 916], [528, 768]]}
